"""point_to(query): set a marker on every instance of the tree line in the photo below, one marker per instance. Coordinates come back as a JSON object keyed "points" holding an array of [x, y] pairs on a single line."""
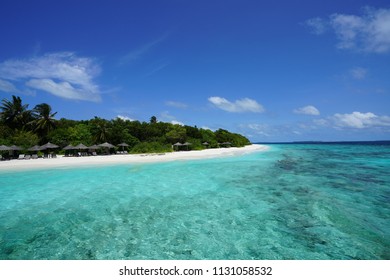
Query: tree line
{"points": [[26, 127]]}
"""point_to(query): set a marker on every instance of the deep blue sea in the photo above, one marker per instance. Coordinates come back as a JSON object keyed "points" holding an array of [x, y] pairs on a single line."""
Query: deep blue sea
{"points": [[294, 201]]}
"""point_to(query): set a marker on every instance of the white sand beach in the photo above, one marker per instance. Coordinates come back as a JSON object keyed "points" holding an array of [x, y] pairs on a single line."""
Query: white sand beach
{"points": [[61, 161]]}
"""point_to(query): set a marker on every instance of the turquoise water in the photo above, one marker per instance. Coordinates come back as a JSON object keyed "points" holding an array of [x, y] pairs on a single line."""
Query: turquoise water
{"points": [[291, 202]]}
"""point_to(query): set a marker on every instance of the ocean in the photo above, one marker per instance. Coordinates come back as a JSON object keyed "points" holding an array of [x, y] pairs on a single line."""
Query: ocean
{"points": [[294, 201]]}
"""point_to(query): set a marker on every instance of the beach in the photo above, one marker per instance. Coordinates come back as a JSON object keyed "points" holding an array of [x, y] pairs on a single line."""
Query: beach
{"points": [[62, 161]]}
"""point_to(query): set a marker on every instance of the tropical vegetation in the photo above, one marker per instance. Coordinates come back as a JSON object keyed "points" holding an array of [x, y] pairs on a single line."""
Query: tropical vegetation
{"points": [[24, 127]]}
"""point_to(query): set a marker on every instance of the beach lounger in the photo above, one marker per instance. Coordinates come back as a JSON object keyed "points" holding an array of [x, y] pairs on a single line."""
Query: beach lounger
{"points": [[27, 157], [94, 153], [34, 156], [21, 156]]}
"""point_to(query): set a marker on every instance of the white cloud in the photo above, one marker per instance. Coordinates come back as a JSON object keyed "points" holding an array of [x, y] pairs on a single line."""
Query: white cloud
{"points": [[62, 74], [307, 110], [358, 73], [360, 120], [259, 129], [166, 117], [125, 118], [8, 87], [321, 122], [176, 104], [317, 25], [138, 53], [238, 106], [177, 122], [369, 32]]}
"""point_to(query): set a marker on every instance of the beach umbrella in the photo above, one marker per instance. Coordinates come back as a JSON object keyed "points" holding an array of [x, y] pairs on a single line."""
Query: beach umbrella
{"points": [[81, 146], [49, 145], [94, 147], [4, 148], [69, 147], [16, 148], [35, 148], [205, 143], [123, 145], [187, 144], [106, 145], [226, 143], [177, 145]]}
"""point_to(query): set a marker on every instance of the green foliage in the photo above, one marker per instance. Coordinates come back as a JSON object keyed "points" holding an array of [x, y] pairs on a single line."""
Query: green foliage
{"points": [[151, 147], [235, 139], [153, 120], [80, 134], [176, 134], [25, 139], [44, 120], [26, 128], [100, 129], [14, 114], [209, 137]]}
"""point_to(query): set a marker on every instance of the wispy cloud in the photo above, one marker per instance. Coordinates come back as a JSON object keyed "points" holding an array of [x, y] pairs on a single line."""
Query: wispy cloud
{"points": [[156, 69], [176, 104], [238, 106], [8, 87], [369, 32], [140, 51], [62, 74], [358, 73], [167, 117], [317, 25], [307, 110]]}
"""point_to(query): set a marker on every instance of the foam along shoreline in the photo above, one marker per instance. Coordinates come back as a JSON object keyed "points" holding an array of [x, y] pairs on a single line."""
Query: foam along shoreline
{"points": [[61, 161]]}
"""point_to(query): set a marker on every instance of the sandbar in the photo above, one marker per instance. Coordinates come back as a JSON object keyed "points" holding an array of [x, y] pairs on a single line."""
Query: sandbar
{"points": [[61, 161]]}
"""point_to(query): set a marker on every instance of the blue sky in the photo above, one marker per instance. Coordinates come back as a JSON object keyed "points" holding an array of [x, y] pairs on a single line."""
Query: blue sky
{"points": [[271, 70]]}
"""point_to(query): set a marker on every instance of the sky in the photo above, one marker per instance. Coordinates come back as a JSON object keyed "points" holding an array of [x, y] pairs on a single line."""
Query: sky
{"points": [[273, 71]]}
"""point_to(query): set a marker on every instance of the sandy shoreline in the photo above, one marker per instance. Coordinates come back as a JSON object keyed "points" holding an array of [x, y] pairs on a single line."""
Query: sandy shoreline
{"points": [[60, 161]]}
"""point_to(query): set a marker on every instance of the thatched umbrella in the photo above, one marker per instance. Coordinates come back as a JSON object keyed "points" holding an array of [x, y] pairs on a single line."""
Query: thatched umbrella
{"points": [[177, 145], [227, 144], [106, 145], [205, 144], [187, 144], [123, 145], [35, 148], [15, 148], [49, 145], [81, 146], [69, 148], [5, 148], [94, 147]]}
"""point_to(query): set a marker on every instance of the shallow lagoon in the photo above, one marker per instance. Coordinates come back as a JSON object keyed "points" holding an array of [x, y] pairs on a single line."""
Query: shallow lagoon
{"points": [[290, 202]]}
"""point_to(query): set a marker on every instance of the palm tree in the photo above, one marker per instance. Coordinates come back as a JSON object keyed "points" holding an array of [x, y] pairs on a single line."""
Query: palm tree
{"points": [[44, 119], [14, 114], [100, 130]]}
